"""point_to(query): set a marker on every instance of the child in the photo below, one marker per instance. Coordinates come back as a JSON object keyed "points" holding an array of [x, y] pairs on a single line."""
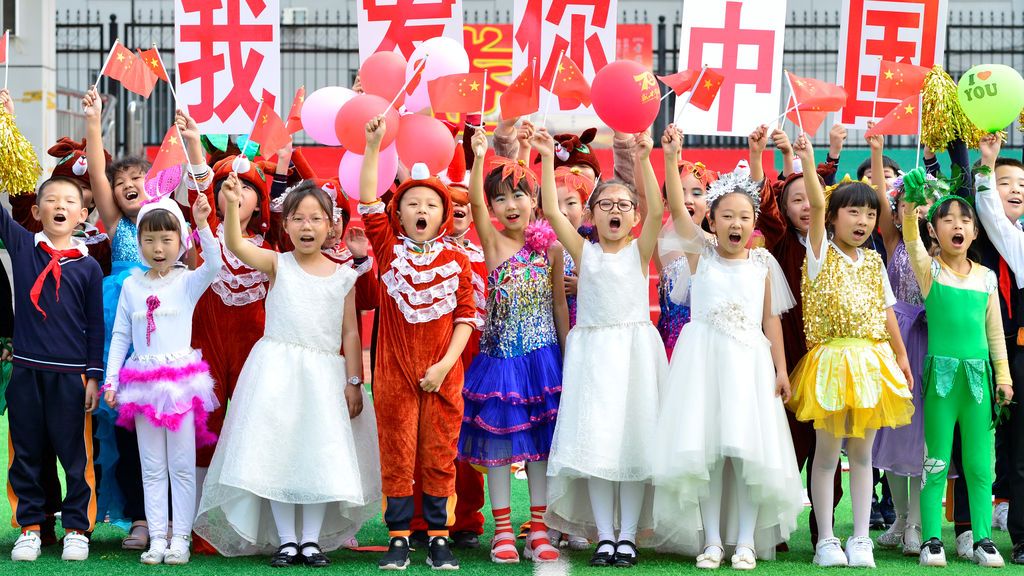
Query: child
{"points": [[614, 366], [965, 330], [427, 314], [512, 388], [164, 390], [574, 189], [897, 451], [725, 447], [856, 378], [299, 439], [58, 359]]}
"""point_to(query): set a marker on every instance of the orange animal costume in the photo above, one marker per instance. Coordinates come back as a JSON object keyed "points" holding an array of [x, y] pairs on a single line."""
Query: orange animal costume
{"points": [[229, 317], [425, 289]]}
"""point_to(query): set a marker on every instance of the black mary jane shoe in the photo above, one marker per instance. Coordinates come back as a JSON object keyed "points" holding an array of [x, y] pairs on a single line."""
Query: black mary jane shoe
{"points": [[626, 560], [315, 560], [282, 559], [603, 558]]}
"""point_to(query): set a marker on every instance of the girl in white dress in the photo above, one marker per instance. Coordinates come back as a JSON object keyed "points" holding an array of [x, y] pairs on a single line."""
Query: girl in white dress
{"points": [[724, 455], [614, 364], [299, 445]]}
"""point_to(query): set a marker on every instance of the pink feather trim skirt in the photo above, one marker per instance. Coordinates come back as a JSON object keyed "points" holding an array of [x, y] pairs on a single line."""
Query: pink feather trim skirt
{"points": [[164, 389]]}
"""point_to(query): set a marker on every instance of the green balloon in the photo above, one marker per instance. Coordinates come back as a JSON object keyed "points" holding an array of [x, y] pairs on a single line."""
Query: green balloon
{"points": [[991, 95]]}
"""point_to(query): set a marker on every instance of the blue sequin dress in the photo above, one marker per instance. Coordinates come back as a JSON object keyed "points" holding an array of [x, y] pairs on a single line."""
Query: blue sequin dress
{"points": [[673, 316], [569, 270], [512, 389]]}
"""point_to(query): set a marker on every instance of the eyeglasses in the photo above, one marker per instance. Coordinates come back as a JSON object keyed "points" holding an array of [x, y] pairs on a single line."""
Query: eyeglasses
{"points": [[314, 220], [623, 205]]}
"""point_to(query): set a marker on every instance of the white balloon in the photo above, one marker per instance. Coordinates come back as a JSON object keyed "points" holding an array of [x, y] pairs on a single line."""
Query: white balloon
{"points": [[319, 111]]}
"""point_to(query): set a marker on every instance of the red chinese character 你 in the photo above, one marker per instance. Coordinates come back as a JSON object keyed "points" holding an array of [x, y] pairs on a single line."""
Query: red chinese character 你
{"points": [[578, 46], [731, 36], [403, 30], [243, 68]]}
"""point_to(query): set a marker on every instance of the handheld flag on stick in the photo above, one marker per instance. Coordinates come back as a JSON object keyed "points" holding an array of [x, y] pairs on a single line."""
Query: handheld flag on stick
{"points": [[522, 97], [127, 68], [456, 92]]}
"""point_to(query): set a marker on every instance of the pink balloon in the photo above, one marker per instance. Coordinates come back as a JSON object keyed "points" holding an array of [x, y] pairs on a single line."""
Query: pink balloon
{"points": [[626, 96], [446, 56], [319, 111], [352, 164], [383, 74], [350, 122], [427, 140]]}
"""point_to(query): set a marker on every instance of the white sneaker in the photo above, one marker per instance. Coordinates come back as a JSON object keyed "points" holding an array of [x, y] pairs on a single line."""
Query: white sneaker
{"points": [[829, 552], [912, 540], [965, 545], [986, 554], [999, 515], [893, 537], [933, 554], [155, 554], [76, 547], [27, 547], [178, 553], [859, 552]]}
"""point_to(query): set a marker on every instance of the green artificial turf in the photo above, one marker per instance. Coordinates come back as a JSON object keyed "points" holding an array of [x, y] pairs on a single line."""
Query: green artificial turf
{"points": [[107, 558]]}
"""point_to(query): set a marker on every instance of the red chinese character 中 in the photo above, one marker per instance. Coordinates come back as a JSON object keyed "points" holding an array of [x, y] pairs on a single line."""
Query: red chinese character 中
{"points": [[401, 15], [243, 69]]}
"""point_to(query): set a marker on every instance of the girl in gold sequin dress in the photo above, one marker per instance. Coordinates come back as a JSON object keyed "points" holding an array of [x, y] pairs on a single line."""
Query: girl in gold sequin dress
{"points": [[856, 377]]}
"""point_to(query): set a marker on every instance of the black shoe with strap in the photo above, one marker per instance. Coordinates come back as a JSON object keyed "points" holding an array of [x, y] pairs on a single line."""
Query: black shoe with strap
{"points": [[626, 560], [397, 556], [1017, 557], [440, 556], [603, 558], [315, 560], [282, 559]]}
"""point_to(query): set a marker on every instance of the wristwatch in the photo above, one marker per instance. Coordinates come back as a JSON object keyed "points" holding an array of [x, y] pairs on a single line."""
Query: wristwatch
{"points": [[355, 380]]}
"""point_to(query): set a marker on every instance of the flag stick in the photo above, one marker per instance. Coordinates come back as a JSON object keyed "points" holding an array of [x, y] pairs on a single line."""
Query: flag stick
{"points": [[406, 85], [920, 120], [551, 91], [696, 85], [174, 97], [105, 62], [878, 80], [7, 55], [483, 100], [799, 120]]}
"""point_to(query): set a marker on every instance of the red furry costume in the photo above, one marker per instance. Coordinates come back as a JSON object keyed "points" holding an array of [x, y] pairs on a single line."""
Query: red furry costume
{"points": [[424, 291]]}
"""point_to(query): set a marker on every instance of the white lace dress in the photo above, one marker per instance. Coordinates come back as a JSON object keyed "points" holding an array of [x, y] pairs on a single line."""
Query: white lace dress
{"points": [[614, 365], [720, 403], [288, 436]]}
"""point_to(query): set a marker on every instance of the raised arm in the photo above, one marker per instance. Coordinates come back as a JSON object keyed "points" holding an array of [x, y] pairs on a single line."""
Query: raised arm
{"points": [[886, 219], [671, 145], [375, 129], [477, 199], [253, 256], [102, 193], [920, 261], [783, 145], [655, 207], [506, 142], [815, 195], [202, 277], [567, 235], [1007, 239], [756, 143]]}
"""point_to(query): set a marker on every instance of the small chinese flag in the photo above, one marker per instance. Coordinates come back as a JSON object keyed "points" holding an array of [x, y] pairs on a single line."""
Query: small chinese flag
{"points": [[809, 120], [125, 67], [269, 131], [570, 83], [704, 95], [903, 119], [457, 93], [171, 153], [3, 46], [815, 95], [522, 98], [414, 82], [294, 115], [899, 80], [152, 60]]}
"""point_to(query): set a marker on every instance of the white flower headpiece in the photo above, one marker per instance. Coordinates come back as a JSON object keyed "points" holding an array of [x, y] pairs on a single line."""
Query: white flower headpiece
{"points": [[736, 181]]}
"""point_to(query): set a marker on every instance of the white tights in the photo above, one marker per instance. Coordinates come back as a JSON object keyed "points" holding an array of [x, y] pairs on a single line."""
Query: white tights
{"points": [[602, 501], [499, 484], [826, 458], [906, 497], [312, 521], [711, 506], [168, 455]]}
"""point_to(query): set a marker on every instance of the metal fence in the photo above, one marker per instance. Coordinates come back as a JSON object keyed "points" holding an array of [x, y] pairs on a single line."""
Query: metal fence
{"points": [[323, 50]]}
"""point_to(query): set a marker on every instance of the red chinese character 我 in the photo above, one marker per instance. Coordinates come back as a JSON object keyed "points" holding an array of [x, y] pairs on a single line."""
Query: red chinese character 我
{"points": [[730, 37], [894, 30], [244, 68], [404, 32]]}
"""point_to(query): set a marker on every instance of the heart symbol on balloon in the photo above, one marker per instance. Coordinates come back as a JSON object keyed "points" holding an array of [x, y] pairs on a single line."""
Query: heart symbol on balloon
{"points": [[984, 75]]}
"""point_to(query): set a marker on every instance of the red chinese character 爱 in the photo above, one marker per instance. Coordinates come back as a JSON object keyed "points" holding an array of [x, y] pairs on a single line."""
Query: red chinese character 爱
{"points": [[401, 15]]}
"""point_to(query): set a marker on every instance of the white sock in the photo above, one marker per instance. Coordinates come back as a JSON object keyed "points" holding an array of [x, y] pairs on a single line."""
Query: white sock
{"points": [[914, 506], [602, 501], [747, 510], [284, 519], [499, 486], [312, 522], [823, 470], [631, 502], [537, 480], [858, 452], [711, 509]]}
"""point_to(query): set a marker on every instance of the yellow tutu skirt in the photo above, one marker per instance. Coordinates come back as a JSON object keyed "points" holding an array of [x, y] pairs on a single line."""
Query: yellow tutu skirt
{"points": [[849, 385]]}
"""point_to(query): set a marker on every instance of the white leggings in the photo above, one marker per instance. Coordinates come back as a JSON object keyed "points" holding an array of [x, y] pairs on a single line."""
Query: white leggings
{"points": [[312, 521], [826, 458], [166, 454], [711, 505]]}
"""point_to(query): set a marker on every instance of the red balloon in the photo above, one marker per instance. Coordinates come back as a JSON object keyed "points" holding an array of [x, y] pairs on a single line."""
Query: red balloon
{"points": [[350, 123], [383, 74], [427, 140], [626, 96]]}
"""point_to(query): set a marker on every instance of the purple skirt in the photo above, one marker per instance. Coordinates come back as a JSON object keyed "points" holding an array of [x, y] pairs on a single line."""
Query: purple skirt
{"points": [[510, 407], [901, 450]]}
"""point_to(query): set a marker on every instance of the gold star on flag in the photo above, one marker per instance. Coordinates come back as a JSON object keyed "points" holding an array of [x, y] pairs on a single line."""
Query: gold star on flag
{"points": [[264, 118], [474, 86], [172, 140], [120, 57], [888, 74], [909, 109], [560, 67], [154, 62], [707, 84]]}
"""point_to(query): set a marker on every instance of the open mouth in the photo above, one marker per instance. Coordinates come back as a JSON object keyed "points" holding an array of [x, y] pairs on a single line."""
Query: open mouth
{"points": [[159, 259], [958, 240], [131, 195], [60, 218], [690, 210], [735, 237], [615, 224], [459, 214], [421, 224], [512, 217], [859, 235], [306, 238]]}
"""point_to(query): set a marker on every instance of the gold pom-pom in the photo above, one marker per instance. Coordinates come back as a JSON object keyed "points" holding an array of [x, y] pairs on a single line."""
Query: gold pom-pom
{"points": [[20, 169], [1020, 121], [943, 119]]}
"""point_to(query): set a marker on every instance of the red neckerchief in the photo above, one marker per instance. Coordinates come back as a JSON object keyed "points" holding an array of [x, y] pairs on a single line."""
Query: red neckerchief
{"points": [[54, 266]]}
